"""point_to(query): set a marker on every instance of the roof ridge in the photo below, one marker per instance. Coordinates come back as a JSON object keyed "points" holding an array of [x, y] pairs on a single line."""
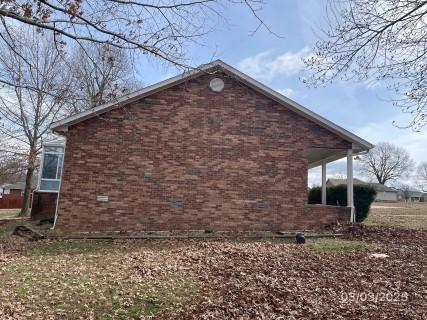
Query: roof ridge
{"points": [[62, 125]]}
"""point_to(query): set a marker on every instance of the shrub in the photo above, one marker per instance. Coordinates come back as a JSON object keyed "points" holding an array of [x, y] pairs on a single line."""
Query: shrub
{"points": [[364, 195]]}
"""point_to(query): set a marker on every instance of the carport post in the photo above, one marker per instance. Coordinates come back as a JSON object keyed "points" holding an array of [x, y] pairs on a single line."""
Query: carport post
{"points": [[350, 197], [324, 182]]}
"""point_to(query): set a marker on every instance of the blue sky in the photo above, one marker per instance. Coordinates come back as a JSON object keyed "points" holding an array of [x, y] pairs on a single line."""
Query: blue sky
{"points": [[363, 108]]}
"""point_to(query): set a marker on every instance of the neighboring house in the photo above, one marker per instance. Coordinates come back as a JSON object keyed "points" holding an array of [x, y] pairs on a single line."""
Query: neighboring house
{"points": [[9, 191], [411, 195], [13, 190], [332, 182], [11, 195], [211, 149], [384, 193]]}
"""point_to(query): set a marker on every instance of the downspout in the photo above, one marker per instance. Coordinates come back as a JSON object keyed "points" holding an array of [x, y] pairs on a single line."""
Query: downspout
{"points": [[60, 184]]}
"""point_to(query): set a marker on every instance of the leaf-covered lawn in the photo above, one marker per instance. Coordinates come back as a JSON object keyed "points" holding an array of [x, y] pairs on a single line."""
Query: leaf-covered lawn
{"points": [[91, 280], [217, 279], [400, 215]]}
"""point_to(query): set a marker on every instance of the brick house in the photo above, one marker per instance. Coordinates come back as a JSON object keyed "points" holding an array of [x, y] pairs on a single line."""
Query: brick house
{"points": [[209, 149]]}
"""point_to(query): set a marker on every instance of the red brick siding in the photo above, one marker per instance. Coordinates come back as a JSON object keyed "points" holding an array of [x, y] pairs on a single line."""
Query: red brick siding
{"points": [[318, 216], [44, 205], [190, 158]]}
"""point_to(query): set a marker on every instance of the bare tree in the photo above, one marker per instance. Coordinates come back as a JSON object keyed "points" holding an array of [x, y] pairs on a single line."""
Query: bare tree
{"points": [[37, 93], [422, 176], [102, 74], [406, 191], [12, 167], [379, 40], [386, 163], [161, 29]]}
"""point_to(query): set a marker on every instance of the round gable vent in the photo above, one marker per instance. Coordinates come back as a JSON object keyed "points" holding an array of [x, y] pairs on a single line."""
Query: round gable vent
{"points": [[216, 85]]}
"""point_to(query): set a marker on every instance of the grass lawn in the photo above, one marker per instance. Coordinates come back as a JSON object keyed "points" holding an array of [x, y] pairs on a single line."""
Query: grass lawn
{"points": [[403, 215], [221, 279], [211, 279], [334, 246], [93, 280], [6, 213]]}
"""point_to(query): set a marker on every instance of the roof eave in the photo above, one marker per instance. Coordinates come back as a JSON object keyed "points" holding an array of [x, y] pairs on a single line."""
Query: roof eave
{"points": [[298, 108], [62, 125], [359, 144]]}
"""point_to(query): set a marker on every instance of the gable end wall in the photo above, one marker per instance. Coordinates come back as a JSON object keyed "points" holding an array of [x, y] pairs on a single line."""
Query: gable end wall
{"points": [[190, 158]]}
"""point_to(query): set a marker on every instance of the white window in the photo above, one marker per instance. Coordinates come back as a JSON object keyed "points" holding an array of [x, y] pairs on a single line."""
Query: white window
{"points": [[51, 170]]}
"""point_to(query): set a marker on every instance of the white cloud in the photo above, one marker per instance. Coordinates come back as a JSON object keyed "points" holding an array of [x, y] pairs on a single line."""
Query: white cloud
{"points": [[413, 142], [265, 66], [287, 92]]}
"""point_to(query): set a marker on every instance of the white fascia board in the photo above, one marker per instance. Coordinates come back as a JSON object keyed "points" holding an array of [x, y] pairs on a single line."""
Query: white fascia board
{"points": [[62, 125], [296, 107]]}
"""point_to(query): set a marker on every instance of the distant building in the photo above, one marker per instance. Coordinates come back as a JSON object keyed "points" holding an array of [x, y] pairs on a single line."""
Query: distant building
{"points": [[384, 193], [12, 195], [412, 196], [13, 190]]}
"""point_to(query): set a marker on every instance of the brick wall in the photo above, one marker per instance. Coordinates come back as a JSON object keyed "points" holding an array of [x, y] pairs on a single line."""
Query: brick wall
{"points": [[190, 158], [43, 205], [318, 216]]}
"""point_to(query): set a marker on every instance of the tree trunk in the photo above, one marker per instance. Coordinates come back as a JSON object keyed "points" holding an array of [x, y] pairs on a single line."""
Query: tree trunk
{"points": [[28, 185]]}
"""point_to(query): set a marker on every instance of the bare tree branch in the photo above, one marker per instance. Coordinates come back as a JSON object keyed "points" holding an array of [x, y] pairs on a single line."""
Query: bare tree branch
{"points": [[33, 68], [386, 163], [422, 176], [380, 40], [150, 27]]}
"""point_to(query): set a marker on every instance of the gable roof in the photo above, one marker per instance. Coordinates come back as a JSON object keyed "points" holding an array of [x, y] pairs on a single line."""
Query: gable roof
{"points": [[377, 186], [337, 182], [359, 144]]}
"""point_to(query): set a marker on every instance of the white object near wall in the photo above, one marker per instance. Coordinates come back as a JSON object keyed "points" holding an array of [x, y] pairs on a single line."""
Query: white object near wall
{"points": [[216, 85], [102, 198]]}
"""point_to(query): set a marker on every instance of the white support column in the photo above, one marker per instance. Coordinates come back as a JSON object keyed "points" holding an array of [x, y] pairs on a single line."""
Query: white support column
{"points": [[350, 198], [324, 182]]}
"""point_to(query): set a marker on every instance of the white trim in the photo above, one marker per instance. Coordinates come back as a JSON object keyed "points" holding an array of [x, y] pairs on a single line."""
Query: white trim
{"points": [[49, 144], [339, 155], [324, 182], [62, 125], [40, 170], [60, 184], [350, 185]]}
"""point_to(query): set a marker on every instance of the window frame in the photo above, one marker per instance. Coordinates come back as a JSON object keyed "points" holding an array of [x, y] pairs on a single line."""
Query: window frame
{"points": [[55, 145]]}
